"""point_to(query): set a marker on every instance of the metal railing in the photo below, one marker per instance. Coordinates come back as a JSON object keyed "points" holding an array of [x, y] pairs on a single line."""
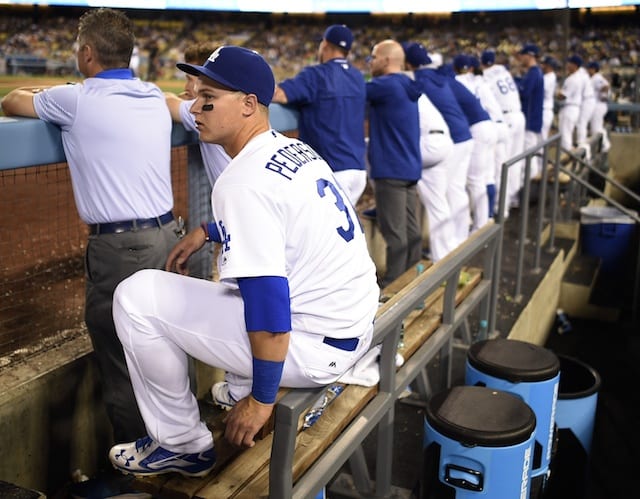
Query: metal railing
{"points": [[579, 165]]}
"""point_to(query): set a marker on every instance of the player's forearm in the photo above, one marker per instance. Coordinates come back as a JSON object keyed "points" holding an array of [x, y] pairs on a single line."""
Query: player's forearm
{"points": [[269, 346], [19, 102]]}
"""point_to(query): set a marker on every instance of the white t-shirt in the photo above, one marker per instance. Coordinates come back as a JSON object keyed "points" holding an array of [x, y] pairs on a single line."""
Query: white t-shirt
{"points": [[280, 212]]}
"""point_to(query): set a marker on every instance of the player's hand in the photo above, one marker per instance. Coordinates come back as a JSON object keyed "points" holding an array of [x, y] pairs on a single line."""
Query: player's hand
{"points": [[244, 420], [179, 256]]}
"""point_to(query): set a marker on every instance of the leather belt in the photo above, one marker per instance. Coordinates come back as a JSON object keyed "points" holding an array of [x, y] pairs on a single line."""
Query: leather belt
{"points": [[130, 225], [347, 344], [437, 131]]}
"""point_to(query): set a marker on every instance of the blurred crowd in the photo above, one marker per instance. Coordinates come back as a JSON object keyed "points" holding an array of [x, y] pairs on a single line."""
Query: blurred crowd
{"points": [[289, 43]]}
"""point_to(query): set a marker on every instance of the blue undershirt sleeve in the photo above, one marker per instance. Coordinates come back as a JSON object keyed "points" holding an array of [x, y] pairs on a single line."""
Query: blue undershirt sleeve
{"points": [[266, 303]]}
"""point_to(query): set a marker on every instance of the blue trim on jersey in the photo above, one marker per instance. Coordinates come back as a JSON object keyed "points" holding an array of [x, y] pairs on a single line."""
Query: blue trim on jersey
{"points": [[116, 74], [267, 306]]}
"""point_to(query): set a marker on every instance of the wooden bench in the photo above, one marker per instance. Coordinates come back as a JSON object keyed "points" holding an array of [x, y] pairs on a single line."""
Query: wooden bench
{"points": [[291, 462]]}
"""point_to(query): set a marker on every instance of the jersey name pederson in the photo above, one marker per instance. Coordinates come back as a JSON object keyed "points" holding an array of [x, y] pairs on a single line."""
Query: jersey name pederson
{"points": [[288, 160]]}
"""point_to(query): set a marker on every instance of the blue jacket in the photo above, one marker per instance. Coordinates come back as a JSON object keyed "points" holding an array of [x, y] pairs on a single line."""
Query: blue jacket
{"points": [[469, 103], [531, 88], [331, 99], [436, 87], [394, 127]]}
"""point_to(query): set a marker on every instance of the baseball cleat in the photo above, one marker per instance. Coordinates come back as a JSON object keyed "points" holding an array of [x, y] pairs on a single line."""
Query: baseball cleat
{"points": [[146, 457], [221, 396]]}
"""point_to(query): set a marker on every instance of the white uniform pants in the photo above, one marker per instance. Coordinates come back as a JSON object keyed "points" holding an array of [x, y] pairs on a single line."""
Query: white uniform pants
{"points": [[162, 318], [435, 147], [482, 159], [353, 183], [517, 123], [547, 121], [531, 139], [586, 111], [567, 121], [432, 189], [457, 165], [596, 124]]}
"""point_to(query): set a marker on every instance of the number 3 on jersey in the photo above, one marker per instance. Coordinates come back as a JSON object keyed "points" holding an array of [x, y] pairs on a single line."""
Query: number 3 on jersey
{"points": [[322, 185]]}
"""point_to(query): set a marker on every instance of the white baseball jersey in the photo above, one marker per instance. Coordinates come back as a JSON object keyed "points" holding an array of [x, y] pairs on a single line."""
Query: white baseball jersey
{"points": [[572, 90], [503, 87], [214, 157], [601, 87], [569, 112], [281, 213], [488, 99]]}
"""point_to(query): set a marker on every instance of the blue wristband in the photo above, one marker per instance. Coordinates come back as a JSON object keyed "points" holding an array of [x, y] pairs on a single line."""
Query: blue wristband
{"points": [[266, 380]]}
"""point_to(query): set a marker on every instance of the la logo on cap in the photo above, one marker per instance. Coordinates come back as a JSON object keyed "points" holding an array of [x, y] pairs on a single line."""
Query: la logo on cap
{"points": [[214, 55]]}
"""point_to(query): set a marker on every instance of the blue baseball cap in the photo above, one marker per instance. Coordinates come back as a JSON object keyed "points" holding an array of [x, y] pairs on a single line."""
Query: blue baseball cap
{"points": [[575, 59], [237, 68], [461, 61], [339, 35], [416, 54], [474, 62], [488, 57], [594, 65], [550, 61], [530, 49]]}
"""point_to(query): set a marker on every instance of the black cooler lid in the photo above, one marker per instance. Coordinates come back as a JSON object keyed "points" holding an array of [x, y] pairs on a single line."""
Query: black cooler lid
{"points": [[476, 415], [513, 360]]}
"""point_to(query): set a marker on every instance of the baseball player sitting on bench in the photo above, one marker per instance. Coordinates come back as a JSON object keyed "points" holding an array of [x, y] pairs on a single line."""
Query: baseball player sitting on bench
{"points": [[297, 293]]}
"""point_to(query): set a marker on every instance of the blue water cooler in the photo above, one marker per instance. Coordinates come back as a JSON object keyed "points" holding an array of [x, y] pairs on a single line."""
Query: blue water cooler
{"points": [[530, 372], [575, 421], [478, 443]]}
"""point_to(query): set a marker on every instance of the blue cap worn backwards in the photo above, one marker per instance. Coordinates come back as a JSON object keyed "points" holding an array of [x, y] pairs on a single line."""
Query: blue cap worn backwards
{"points": [[339, 35], [237, 68]]}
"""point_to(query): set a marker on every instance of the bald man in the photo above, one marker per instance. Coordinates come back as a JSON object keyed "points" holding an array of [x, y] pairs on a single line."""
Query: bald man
{"points": [[394, 156]]}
